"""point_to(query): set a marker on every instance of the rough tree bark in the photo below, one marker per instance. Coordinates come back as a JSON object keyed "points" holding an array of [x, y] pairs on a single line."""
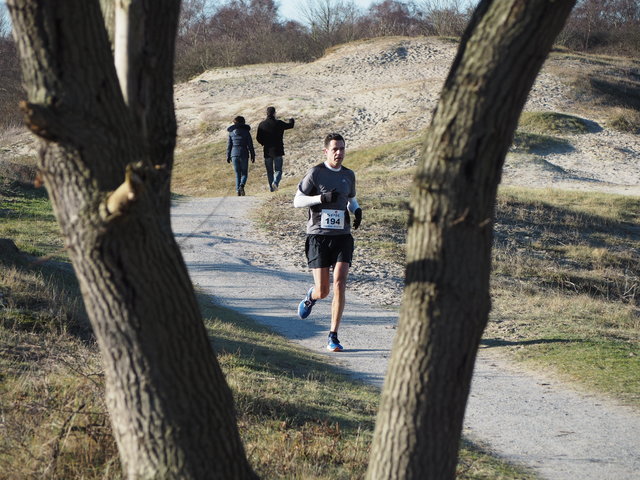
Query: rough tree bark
{"points": [[446, 300], [171, 409]]}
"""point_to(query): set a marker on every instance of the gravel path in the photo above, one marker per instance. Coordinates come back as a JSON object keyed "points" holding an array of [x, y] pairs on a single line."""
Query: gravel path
{"points": [[523, 417]]}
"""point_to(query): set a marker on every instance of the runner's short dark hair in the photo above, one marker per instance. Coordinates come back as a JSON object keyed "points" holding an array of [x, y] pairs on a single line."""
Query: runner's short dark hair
{"points": [[239, 120], [332, 136], [271, 111]]}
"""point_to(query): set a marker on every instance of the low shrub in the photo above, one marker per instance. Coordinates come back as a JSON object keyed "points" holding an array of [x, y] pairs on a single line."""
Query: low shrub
{"points": [[625, 120], [540, 144], [553, 122]]}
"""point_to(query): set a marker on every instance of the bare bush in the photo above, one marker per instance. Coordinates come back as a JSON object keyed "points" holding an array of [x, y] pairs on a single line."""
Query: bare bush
{"points": [[10, 88], [606, 26], [10, 85], [331, 22], [238, 32], [392, 17], [446, 18]]}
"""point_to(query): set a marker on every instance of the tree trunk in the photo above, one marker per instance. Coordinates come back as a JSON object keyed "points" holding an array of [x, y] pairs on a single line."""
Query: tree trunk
{"points": [[171, 409], [446, 298]]}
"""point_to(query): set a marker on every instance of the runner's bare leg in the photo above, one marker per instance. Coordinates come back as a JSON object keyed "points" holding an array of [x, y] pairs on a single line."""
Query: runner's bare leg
{"points": [[321, 283], [340, 274]]}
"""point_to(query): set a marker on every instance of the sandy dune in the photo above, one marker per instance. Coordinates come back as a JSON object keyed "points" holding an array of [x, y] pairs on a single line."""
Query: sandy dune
{"points": [[384, 90]]}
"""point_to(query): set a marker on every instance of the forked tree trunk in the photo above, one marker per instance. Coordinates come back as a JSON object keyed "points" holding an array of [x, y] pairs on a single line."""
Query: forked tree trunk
{"points": [[171, 409], [446, 301]]}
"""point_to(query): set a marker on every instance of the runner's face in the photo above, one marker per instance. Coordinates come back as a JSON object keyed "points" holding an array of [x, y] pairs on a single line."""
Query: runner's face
{"points": [[335, 153]]}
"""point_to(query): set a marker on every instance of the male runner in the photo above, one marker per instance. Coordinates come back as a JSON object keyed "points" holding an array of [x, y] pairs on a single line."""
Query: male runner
{"points": [[329, 191]]}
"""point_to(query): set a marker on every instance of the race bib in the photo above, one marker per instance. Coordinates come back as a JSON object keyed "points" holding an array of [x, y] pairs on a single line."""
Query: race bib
{"points": [[332, 219]]}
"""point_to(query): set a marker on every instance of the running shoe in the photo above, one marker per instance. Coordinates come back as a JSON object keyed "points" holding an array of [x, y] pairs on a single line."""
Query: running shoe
{"points": [[334, 344], [241, 191], [304, 309], [274, 187]]}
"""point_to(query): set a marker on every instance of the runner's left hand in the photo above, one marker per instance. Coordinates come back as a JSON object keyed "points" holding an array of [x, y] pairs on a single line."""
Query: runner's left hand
{"points": [[358, 219]]}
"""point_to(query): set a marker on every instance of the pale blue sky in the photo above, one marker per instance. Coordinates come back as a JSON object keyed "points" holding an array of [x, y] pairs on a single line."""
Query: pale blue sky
{"points": [[290, 9]]}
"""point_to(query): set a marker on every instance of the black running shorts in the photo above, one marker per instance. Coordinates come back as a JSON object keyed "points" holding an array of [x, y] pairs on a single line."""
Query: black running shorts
{"points": [[325, 250]]}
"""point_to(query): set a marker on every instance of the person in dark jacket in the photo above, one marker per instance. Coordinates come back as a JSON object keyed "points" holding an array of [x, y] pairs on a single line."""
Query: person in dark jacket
{"points": [[239, 148], [270, 133]]}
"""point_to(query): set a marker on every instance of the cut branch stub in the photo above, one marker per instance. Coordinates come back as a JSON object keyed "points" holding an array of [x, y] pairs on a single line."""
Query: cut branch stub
{"points": [[128, 192]]}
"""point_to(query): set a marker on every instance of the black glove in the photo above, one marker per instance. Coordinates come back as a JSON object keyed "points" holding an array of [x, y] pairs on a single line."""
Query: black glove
{"points": [[253, 159], [329, 197], [228, 159], [358, 219]]}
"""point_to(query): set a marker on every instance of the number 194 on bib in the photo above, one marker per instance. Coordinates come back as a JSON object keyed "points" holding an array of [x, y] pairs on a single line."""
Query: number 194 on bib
{"points": [[332, 219]]}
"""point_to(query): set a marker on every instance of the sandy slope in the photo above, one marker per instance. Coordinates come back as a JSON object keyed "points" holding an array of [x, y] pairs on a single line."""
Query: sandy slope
{"points": [[386, 89], [383, 90]]}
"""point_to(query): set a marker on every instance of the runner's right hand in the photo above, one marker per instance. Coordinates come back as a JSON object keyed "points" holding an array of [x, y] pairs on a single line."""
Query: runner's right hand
{"points": [[329, 197]]}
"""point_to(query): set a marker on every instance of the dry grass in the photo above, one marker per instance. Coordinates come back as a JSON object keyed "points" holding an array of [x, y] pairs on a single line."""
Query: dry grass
{"points": [[298, 418], [624, 120], [601, 85], [199, 171], [565, 265], [53, 418], [566, 286], [202, 171], [538, 144]]}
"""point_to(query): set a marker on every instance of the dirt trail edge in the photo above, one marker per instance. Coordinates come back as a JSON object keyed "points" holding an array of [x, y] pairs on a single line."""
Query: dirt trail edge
{"points": [[526, 419]]}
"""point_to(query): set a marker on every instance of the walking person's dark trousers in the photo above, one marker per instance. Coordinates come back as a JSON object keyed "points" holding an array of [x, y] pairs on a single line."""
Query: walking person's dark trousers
{"points": [[274, 171]]}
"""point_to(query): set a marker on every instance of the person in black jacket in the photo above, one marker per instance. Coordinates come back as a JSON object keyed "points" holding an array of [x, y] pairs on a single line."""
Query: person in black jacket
{"points": [[239, 147], [270, 133]]}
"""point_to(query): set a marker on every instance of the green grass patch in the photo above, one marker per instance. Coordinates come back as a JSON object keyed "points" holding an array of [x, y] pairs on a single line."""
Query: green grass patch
{"points": [[586, 341], [596, 358], [583, 209], [525, 142], [26, 217], [552, 122]]}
